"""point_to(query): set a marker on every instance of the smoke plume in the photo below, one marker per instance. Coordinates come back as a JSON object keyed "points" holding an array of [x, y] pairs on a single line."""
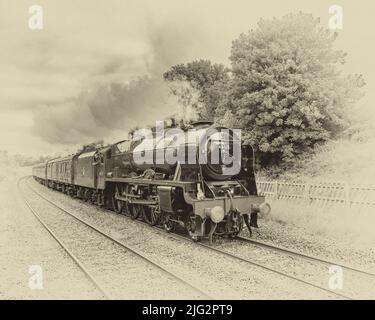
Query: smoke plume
{"points": [[110, 109]]}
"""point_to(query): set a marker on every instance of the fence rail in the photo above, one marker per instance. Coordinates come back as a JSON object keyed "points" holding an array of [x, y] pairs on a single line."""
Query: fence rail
{"points": [[324, 193]]}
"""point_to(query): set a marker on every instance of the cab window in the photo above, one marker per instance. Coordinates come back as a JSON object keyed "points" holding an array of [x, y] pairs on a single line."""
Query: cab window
{"points": [[123, 146]]}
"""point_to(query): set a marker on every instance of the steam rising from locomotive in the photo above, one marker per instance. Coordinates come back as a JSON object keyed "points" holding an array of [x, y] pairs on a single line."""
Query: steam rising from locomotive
{"points": [[201, 179]]}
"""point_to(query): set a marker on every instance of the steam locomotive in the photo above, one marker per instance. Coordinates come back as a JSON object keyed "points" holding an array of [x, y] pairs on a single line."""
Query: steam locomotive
{"points": [[207, 198]]}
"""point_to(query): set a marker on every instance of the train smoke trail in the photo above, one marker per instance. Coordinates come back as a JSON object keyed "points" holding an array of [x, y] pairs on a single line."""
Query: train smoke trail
{"points": [[110, 109]]}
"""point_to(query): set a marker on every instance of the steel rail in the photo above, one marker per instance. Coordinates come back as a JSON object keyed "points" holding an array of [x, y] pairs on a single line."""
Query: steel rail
{"points": [[300, 254], [62, 245], [262, 266], [126, 246], [226, 253], [160, 230]]}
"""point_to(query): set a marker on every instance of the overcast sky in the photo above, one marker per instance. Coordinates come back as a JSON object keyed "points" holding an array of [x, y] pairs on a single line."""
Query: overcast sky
{"points": [[67, 83]]}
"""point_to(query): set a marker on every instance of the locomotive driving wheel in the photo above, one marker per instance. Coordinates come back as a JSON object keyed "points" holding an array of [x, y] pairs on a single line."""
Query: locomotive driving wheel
{"points": [[131, 210], [151, 214], [117, 204]]}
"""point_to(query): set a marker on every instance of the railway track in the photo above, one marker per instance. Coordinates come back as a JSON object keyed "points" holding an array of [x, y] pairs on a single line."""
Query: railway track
{"points": [[244, 260], [302, 255], [107, 236], [253, 263], [80, 265], [259, 265]]}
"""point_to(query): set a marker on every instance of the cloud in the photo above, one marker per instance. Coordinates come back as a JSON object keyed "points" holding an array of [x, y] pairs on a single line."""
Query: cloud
{"points": [[98, 112], [91, 50], [107, 104]]}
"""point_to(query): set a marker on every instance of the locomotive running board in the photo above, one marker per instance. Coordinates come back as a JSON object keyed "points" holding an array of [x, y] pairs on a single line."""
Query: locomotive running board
{"points": [[136, 201]]}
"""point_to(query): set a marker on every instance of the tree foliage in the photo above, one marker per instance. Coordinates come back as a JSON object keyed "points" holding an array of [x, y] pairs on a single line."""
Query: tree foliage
{"points": [[202, 77], [285, 88]]}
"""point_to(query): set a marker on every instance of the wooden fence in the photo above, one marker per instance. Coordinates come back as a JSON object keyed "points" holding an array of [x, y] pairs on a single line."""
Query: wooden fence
{"points": [[325, 193]]}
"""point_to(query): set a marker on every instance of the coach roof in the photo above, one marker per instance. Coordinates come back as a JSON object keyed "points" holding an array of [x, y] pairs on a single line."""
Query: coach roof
{"points": [[67, 158]]}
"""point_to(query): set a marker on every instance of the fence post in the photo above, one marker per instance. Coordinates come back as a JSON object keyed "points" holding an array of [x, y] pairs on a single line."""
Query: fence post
{"points": [[307, 192], [347, 188], [276, 189]]}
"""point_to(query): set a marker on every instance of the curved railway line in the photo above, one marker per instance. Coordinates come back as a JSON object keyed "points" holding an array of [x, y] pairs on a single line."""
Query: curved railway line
{"points": [[106, 235], [80, 265], [239, 258]]}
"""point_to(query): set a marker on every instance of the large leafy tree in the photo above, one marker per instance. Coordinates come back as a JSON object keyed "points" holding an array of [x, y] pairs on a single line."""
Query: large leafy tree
{"points": [[199, 83], [287, 91]]}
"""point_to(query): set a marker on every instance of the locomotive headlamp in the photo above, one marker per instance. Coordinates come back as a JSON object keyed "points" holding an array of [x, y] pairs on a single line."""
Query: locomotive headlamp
{"points": [[216, 214]]}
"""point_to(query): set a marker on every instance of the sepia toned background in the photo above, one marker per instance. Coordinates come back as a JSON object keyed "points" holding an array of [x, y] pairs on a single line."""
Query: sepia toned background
{"points": [[95, 71], [52, 80]]}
